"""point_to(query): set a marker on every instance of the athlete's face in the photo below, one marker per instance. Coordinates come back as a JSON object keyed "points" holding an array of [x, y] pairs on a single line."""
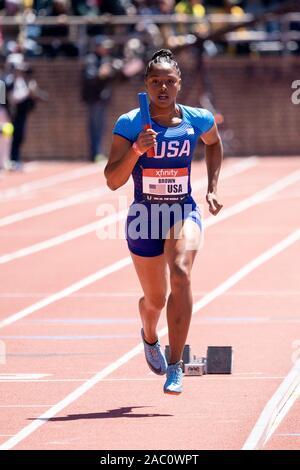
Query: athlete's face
{"points": [[163, 84]]}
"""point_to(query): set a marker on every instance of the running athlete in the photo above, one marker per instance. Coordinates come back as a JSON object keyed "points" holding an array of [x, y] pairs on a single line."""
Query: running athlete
{"points": [[164, 225]]}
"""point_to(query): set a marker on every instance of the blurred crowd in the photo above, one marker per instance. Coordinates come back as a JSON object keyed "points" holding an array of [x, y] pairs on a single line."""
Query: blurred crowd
{"points": [[52, 40], [128, 7], [112, 51]]}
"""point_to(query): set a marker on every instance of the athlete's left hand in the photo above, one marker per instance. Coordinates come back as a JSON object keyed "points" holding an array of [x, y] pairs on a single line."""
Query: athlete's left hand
{"points": [[213, 203]]}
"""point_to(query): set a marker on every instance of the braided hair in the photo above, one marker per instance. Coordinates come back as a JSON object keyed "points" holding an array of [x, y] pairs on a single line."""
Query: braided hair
{"points": [[160, 57]]}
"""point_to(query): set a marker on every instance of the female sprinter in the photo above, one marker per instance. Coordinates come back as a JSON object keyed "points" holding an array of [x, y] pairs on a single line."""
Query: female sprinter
{"points": [[161, 183]]}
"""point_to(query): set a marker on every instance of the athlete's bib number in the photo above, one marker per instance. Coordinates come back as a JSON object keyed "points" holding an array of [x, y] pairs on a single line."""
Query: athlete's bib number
{"points": [[165, 184]]}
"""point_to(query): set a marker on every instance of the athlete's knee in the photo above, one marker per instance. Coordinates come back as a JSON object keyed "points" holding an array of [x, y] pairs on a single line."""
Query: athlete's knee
{"points": [[156, 301], [180, 275]]}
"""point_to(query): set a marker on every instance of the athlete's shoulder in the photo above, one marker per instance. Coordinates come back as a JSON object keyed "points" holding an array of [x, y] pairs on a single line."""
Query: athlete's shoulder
{"points": [[128, 125], [201, 118], [134, 114], [131, 116]]}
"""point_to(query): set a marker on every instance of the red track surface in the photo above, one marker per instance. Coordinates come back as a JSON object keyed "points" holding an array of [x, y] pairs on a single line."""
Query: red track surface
{"points": [[72, 339]]}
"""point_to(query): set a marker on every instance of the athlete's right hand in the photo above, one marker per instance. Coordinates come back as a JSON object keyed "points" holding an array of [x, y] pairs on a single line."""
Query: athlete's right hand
{"points": [[146, 139]]}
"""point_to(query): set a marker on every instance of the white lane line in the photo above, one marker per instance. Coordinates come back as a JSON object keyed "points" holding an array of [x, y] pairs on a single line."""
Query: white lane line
{"points": [[210, 221], [66, 337], [84, 230], [251, 201], [50, 181], [31, 167], [67, 291], [134, 294], [23, 295], [21, 376], [206, 377], [203, 377], [43, 209], [247, 269], [86, 281], [275, 410], [92, 194], [131, 320], [68, 236], [23, 406], [39, 381], [82, 389], [227, 172]]}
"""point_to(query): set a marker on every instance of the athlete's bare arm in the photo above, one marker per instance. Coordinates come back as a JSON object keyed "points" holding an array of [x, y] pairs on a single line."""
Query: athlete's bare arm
{"points": [[213, 158], [122, 158]]}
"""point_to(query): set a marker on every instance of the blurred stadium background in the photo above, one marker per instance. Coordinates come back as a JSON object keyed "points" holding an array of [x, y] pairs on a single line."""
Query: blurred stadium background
{"points": [[239, 58]]}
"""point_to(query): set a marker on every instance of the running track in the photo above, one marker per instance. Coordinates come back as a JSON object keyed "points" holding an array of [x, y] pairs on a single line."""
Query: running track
{"points": [[72, 372]]}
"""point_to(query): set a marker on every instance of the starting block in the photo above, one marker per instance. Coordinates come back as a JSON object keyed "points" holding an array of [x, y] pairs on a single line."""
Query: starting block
{"points": [[219, 360]]}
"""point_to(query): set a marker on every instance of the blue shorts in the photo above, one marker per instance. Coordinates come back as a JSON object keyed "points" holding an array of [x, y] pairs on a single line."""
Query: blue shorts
{"points": [[147, 225]]}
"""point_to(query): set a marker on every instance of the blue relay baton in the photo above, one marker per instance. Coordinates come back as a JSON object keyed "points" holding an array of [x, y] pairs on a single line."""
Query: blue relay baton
{"points": [[146, 120]]}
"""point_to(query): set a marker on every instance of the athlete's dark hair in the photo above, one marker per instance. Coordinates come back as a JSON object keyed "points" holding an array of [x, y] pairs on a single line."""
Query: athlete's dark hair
{"points": [[160, 57]]}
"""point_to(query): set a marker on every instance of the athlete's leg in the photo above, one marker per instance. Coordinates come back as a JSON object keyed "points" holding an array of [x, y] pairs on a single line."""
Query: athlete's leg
{"points": [[152, 274], [180, 253]]}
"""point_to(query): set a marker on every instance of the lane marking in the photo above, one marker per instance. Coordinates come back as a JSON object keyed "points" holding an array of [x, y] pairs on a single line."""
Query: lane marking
{"points": [[82, 389], [248, 268], [84, 295], [50, 181], [253, 200], [204, 377], [22, 406], [43, 209], [67, 291], [67, 337], [68, 236], [111, 219], [275, 410], [135, 320], [237, 208], [91, 194], [92, 227], [17, 377], [87, 321], [30, 167], [41, 380], [227, 172]]}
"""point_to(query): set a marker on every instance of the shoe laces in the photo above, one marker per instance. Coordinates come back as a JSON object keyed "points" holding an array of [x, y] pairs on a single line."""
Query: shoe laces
{"points": [[154, 350], [175, 373]]}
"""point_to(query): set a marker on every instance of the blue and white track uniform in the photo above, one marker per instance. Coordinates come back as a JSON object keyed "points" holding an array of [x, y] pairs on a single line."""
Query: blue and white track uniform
{"points": [[162, 181]]}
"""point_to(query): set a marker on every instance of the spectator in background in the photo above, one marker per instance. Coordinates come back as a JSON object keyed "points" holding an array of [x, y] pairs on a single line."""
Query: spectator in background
{"points": [[168, 31], [191, 7], [230, 7], [55, 39], [5, 141], [22, 92], [96, 91], [12, 7], [194, 8], [85, 8], [253, 6], [117, 7], [100, 7]]}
